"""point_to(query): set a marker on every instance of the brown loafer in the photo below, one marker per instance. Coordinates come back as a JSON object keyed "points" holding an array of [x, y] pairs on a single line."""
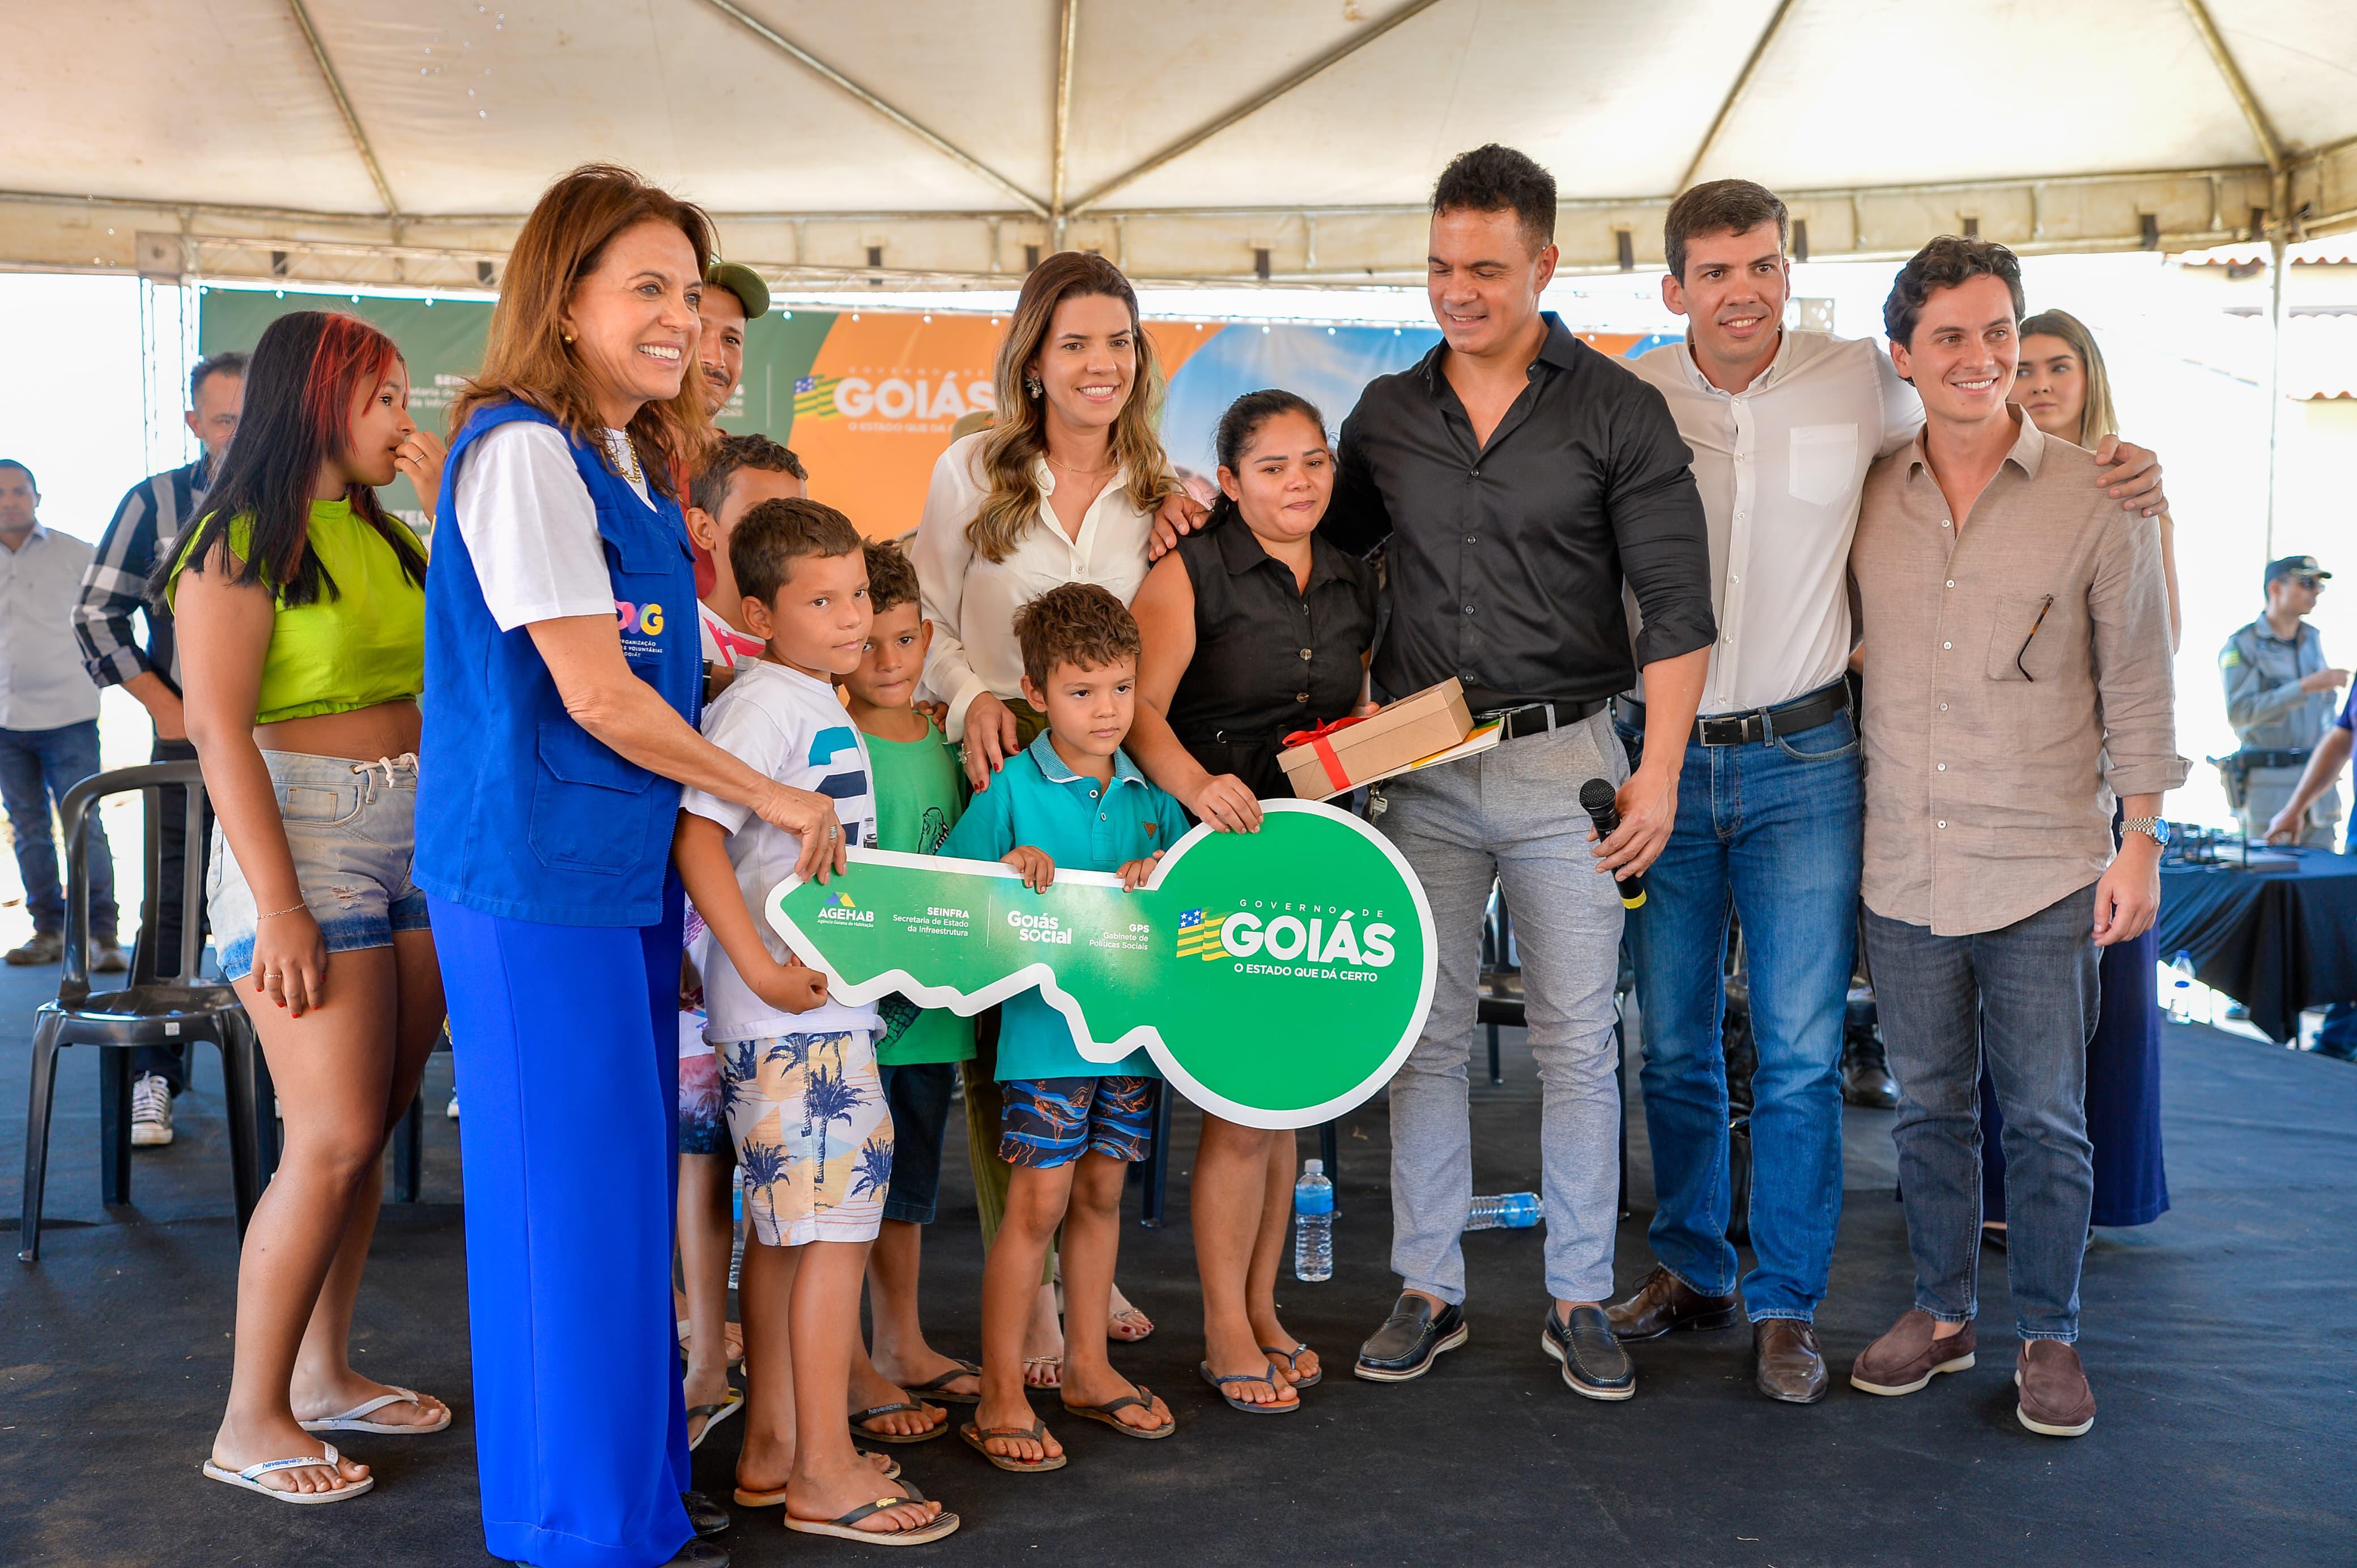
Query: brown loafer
{"points": [[2055, 1399], [1665, 1301], [1787, 1365], [1908, 1356]]}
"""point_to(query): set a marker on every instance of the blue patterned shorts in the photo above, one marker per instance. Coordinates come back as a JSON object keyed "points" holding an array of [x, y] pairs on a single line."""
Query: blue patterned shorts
{"points": [[1051, 1121]]}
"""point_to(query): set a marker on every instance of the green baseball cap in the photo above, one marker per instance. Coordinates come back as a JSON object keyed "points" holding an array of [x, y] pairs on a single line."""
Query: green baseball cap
{"points": [[744, 283]]}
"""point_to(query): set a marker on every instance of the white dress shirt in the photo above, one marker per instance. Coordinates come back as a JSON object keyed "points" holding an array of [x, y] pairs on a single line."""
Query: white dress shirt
{"points": [[531, 527], [43, 683], [972, 600], [1781, 466]]}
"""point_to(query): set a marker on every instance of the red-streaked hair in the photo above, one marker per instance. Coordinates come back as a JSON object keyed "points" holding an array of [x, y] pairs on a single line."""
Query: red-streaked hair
{"points": [[309, 372]]}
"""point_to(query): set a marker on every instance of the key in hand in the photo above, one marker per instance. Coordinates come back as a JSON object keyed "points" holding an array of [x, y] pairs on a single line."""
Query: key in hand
{"points": [[1278, 978]]}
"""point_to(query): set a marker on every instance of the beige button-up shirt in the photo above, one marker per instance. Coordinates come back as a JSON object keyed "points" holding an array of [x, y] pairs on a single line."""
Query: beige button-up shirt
{"points": [[2018, 679]]}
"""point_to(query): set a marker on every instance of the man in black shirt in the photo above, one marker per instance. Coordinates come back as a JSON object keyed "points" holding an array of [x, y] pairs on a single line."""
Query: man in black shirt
{"points": [[1518, 478]]}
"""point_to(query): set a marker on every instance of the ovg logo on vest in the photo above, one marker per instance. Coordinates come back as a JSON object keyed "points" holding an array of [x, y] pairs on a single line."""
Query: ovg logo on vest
{"points": [[642, 627]]}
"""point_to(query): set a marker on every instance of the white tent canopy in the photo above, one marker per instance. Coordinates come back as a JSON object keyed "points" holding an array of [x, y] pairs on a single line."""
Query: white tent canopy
{"points": [[1219, 140]]}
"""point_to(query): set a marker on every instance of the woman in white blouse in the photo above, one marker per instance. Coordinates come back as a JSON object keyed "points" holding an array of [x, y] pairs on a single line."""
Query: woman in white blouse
{"points": [[1063, 489]]}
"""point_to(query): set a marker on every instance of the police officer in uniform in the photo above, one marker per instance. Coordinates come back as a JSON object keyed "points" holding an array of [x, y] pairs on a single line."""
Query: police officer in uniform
{"points": [[2281, 700]]}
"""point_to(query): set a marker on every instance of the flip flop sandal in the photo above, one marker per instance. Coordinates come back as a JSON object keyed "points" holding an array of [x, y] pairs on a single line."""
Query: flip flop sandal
{"points": [[249, 1478], [751, 1499], [1031, 1361], [860, 1418], [1270, 1377], [975, 1437], [357, 1418], [938, 1389], [843, 1525], [1293, 1364], [1104, 1414], [1129, 1317], [713, 1414]]}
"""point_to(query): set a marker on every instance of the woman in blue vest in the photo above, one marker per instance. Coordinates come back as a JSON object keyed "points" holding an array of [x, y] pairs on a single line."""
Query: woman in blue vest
{"points": [[561, 684]]}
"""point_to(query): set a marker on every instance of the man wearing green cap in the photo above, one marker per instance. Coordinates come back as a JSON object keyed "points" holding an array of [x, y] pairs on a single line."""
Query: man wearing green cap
{"points": [[734, 294], [2281, 700]]}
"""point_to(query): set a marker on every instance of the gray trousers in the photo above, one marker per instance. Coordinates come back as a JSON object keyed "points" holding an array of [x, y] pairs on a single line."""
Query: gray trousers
{"points": [[1513, 814]]}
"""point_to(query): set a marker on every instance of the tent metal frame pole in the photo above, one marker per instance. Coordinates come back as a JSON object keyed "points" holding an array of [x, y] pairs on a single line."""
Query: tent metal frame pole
{"points": [[2254, 114], [933, 139], [344, 107], [1255, 103], [2278, 234], [1067, 36], [1742, 84]]}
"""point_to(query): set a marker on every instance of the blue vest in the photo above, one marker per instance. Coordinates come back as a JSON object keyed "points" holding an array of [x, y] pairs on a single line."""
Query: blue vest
{"points": [[521, 812]]}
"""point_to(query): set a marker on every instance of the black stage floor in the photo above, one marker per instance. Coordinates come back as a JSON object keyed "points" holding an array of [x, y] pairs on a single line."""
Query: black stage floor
{"points": [[2220, 1338]]}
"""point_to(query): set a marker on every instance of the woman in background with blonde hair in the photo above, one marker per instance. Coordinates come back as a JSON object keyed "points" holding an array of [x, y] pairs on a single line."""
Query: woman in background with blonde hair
{"points": [[2063, 388], [1063, 489]]}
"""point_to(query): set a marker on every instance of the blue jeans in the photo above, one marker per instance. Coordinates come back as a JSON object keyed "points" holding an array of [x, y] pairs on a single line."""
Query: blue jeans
{"points": [[37, 767], [2025, 996], [1771, 834]]}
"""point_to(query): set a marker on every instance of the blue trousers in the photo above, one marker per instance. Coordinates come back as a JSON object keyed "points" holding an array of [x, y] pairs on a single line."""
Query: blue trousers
{"points": [[1770, 831], [37, 767], [567, 1040]]}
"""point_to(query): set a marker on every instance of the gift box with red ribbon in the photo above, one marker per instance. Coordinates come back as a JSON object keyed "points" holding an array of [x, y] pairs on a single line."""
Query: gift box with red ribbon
{"points": [[1342, 755]]}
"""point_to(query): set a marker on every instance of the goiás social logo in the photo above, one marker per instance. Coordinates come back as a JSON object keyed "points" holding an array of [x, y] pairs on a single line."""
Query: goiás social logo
{"points": [[842, 911], [1290, 932], [1047, 928]]}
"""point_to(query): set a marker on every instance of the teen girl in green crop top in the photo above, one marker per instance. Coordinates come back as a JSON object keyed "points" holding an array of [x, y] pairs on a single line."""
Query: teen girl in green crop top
{"points": [[299, 605]]}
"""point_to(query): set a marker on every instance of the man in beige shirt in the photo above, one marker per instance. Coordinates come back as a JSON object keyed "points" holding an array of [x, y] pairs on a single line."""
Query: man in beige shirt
{"points": [[2018, 679]]}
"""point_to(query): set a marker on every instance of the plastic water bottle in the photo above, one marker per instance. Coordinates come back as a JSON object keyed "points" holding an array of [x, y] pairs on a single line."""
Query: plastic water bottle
{"points": [[1313, 1224], [1506, 1211], [736, 1232], [2180, 987]]}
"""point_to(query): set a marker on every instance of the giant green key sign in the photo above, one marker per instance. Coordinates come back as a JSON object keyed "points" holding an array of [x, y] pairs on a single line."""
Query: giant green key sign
{"points": [[1278, 977]]}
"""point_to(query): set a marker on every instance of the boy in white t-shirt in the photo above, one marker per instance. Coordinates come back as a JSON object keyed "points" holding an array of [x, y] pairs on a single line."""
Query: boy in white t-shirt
{"points": [[805, 1105], [743, 472]]}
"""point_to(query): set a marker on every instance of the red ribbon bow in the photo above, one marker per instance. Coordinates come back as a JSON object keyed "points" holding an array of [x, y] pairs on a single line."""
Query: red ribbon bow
{"points": [[1335, 772]]}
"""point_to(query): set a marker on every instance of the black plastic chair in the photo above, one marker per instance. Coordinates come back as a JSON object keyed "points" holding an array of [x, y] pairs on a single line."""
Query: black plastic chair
{"points": [[150, 1010]]}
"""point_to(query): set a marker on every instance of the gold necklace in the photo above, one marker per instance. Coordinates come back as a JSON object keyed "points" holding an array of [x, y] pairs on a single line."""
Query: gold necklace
{"points": [[635, 474], [1084, 473]]}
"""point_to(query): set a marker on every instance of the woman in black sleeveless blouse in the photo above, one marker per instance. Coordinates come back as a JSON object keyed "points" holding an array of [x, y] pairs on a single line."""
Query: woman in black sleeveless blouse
{"points": [[1253, 627]]}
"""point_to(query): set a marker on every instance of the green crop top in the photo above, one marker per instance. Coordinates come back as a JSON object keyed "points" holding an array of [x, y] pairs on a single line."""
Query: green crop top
{"points": [[363, 646]]}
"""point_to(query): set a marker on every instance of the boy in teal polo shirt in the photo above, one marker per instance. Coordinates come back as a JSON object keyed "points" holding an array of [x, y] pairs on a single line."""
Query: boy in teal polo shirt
{"points": [[1072, 1126]]}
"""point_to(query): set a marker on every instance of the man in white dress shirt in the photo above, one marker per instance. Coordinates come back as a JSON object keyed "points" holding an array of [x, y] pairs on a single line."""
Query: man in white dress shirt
{"points": [[48, 719], [1782, 425]]}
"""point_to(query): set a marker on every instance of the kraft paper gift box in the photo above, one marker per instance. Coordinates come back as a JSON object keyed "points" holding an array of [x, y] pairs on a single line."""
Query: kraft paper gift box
{"points": [[1351, 752]]}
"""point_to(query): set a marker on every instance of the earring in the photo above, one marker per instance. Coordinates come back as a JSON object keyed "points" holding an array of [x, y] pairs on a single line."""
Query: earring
{"points": [[1031, 384], [568, 338]]}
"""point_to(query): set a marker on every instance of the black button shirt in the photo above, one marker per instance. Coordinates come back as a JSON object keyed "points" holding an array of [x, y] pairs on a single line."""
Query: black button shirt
{"points": [[1270, 658], [1505, 562]]}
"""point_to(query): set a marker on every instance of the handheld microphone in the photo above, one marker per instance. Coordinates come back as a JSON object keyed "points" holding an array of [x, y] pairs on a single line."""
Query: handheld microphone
{"points": [[1600, 802]]}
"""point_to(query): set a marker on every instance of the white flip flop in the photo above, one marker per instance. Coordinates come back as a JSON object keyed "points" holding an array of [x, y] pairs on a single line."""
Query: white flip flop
{"points": [[356, 1419], [249, 1478]]}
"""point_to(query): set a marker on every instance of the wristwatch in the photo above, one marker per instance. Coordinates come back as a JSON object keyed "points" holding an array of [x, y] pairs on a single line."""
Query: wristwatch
{"points": [[2153, 828]]}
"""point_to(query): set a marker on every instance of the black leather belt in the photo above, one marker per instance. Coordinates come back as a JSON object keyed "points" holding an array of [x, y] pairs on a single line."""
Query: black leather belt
{"points": [[2251, 759], [1538, 718], [1821, 706]]}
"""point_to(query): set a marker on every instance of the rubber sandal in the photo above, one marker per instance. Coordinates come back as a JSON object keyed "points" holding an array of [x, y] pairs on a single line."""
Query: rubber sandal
{"points": [[1055, 1362], [1104, 1414], [842, 1525], [860, 1418], [939, 1392], [249, 1478], [714, 1414], [750, 1499], [356, 1419], [1293, 1364], [1270, 1377], [975, 1437]]}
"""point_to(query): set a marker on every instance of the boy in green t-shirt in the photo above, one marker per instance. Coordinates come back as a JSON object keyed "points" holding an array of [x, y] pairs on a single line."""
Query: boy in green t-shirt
{"points": [[920, 791]]}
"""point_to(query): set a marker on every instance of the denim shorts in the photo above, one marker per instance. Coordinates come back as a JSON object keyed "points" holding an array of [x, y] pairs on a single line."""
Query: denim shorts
{"points": [[352, 829], [919, 1097], [1051, 1121]]}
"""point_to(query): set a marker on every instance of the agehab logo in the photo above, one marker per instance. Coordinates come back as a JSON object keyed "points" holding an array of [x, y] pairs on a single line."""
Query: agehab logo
{"points": [[1309, 933], [839, 909]]}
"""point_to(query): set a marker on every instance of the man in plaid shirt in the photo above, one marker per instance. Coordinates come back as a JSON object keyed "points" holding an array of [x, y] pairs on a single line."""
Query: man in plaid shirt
{"points": [[146, 527]]}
